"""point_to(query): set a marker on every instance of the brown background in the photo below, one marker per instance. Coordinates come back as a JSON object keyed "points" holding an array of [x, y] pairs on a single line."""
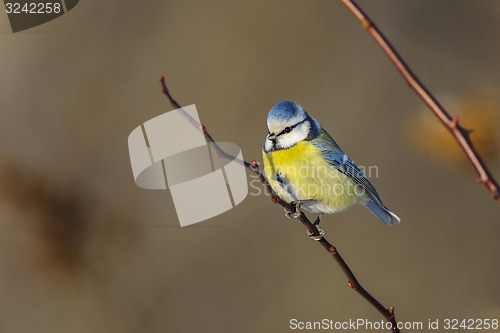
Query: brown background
{"points": [[82, 249]]}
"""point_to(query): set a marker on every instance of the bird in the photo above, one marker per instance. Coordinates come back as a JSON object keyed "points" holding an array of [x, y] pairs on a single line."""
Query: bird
{"points": [[306, 168]]}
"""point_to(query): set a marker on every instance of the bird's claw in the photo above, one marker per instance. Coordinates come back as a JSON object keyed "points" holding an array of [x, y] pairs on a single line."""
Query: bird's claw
{"points": [[322, 233], [296, 214], [291, 215]]}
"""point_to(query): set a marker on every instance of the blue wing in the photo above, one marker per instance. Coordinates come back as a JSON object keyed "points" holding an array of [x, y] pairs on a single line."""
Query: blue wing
{"points": [[332, 152], [344, 164]]}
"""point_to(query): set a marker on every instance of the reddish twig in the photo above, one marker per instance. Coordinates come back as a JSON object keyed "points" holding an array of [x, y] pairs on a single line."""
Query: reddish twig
{"points": [[353, 283], [460, 134]]}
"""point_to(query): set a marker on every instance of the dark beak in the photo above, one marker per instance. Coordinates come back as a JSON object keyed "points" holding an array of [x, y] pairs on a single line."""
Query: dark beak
{"points": [[271, 137]]}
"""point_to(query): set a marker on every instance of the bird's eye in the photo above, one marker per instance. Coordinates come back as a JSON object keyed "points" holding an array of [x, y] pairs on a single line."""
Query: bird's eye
{"points": [[288, 129]]}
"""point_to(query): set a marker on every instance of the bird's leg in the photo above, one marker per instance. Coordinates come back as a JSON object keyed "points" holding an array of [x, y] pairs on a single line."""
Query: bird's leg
{"points": [[322, 231], [294, 215], [318, 219], [296, 204]]}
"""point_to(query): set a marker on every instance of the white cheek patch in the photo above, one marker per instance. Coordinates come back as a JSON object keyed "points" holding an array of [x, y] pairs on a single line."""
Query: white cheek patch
{"points": [[298, 134], [277, 126]]}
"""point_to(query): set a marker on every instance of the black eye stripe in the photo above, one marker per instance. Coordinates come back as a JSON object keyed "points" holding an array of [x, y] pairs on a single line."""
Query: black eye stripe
{"points": [[290, 128]]}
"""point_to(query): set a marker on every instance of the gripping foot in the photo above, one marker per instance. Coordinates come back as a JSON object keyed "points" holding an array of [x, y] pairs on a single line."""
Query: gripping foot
{"points": [[296, 213], [322, 233]]}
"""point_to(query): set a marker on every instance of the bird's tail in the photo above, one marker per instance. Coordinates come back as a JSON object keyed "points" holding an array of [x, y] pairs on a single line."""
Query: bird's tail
{"points": [[382, 212]]}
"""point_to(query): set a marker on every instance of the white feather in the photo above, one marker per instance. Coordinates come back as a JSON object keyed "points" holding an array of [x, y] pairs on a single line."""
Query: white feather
{"points": [[299, 133]]}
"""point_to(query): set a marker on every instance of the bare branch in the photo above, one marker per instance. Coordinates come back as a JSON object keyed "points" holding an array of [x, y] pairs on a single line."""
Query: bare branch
{"points": [[460, 134], [253, 167]]}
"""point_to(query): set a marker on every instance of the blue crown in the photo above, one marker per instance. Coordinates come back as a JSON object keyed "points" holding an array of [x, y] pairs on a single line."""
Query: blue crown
{"points": [[284, 111]]}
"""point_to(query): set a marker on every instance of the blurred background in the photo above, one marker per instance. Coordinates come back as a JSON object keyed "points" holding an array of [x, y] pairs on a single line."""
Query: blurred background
{"points": [[82, 248]]}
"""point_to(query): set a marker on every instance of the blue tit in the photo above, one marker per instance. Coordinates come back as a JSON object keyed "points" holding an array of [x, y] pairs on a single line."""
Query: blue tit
{"points": [[303, 164]]}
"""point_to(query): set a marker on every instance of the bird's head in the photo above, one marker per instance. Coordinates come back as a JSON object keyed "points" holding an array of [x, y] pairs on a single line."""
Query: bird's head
{"points": [[288, 123]]}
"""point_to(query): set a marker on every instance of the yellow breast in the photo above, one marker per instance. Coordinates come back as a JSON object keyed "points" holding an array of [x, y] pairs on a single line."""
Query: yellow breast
{"points": [[302, 173]]}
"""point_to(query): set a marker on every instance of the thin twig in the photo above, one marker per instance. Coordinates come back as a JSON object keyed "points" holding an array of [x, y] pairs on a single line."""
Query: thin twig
{"points": [[353, 283], [460, 134]]}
